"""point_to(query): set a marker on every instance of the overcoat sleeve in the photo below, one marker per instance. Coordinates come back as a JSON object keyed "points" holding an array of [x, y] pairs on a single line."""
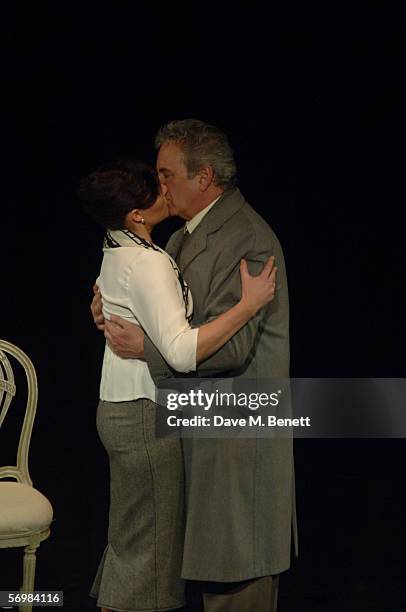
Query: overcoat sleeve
{"points": [[225, 292]]}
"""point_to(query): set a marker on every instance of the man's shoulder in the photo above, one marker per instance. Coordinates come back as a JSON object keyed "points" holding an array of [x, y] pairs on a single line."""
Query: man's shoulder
{"points": [[253, 219], [246, 221]]}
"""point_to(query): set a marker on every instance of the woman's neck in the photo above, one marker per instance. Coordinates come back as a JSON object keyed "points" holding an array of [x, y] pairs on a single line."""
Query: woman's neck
{"points": [[143, 231]]}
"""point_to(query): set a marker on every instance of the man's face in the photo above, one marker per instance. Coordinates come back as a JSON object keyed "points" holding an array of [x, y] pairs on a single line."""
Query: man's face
{"points": [[182, 193]]}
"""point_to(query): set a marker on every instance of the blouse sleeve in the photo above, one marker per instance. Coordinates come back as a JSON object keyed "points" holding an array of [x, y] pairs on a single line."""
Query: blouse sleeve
{"points": [[154, 296]]}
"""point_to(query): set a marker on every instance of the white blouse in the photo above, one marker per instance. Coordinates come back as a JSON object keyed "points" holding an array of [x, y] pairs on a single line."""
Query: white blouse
{"points": [[140, 284]]}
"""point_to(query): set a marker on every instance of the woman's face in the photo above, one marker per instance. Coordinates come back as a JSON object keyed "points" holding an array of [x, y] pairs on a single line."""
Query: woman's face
{"points": [[157, 212]]}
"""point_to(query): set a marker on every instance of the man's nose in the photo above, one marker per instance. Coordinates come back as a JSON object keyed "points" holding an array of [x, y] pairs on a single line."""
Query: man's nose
{"points": [[164, 188]]}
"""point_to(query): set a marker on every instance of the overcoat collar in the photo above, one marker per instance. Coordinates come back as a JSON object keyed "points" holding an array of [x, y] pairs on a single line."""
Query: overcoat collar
{"points": [[228, 205]]}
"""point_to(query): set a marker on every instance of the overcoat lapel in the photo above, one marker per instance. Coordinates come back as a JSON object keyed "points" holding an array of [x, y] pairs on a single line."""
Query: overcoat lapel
{"points": [[174, 244], [229, 204], [195, 244]]}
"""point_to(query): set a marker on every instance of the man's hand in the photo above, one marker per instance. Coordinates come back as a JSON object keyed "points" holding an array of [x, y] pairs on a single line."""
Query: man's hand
{"points": [[125, 339], [97, 308]]}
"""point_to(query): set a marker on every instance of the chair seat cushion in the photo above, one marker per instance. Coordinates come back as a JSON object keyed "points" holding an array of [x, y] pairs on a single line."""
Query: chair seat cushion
{"points": [[23, 509]]}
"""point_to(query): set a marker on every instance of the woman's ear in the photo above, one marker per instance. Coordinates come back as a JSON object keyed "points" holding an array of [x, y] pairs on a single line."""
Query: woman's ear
{"points": [[133, 219], [136, 216]]}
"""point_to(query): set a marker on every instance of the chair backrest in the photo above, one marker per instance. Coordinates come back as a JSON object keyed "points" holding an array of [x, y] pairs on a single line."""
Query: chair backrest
{"points": [[7, 392]]}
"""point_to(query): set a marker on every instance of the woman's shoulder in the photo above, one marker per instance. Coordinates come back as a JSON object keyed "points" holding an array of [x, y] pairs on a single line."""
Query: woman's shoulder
{"points": [[151, 259]]}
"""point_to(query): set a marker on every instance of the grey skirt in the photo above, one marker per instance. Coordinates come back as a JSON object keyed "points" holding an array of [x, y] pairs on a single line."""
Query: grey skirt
{"points": [[141, 565]]}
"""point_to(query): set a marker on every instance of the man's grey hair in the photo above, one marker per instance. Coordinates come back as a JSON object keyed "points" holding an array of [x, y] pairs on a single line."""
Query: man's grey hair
{"points": [[202, 145]]}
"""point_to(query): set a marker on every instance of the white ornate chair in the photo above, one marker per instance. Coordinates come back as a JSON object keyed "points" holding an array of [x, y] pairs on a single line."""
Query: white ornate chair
{"points": [[25, 514]]}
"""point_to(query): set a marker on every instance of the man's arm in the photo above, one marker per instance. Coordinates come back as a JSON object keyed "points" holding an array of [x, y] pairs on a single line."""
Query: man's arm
{"points": [[225, 291], [96, 308], [124, 338]]}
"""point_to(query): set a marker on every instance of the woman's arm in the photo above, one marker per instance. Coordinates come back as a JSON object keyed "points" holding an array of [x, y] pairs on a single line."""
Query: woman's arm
{"points": [[257, 291], [155, 302]]}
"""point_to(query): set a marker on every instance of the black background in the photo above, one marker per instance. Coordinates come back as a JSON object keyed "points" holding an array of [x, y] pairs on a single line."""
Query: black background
{"points": [[313, 103]]}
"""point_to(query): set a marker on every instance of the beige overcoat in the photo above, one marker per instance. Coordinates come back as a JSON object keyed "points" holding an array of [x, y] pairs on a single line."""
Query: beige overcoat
{"points": [[239, 492]]}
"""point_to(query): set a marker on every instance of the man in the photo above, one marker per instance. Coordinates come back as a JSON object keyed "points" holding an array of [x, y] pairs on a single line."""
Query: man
{"points": [[240, 492]]}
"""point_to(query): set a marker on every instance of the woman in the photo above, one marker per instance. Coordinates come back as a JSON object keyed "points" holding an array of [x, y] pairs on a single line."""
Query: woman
{"points": [[140, 569]]}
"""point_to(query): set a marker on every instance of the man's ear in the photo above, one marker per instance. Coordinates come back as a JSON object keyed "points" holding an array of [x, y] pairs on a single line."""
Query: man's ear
{"points": [[206, 177]]}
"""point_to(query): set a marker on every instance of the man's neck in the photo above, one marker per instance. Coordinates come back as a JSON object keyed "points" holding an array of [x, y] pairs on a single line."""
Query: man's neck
{"points": [[192, 224], [205, 202]]}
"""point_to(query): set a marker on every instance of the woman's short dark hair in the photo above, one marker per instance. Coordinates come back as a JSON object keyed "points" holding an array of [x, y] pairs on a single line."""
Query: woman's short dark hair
{"points": [[115, 189]]}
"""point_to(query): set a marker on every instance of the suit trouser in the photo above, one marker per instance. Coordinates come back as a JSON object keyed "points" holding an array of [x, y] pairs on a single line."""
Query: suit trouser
{"points": [[259, 595]]}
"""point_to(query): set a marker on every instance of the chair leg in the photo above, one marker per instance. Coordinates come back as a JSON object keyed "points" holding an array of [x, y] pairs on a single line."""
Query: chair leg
{"points": [[29, 573]]}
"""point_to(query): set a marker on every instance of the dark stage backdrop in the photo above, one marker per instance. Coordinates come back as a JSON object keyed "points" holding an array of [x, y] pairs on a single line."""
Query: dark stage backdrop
{"points": [[313, 109]]}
